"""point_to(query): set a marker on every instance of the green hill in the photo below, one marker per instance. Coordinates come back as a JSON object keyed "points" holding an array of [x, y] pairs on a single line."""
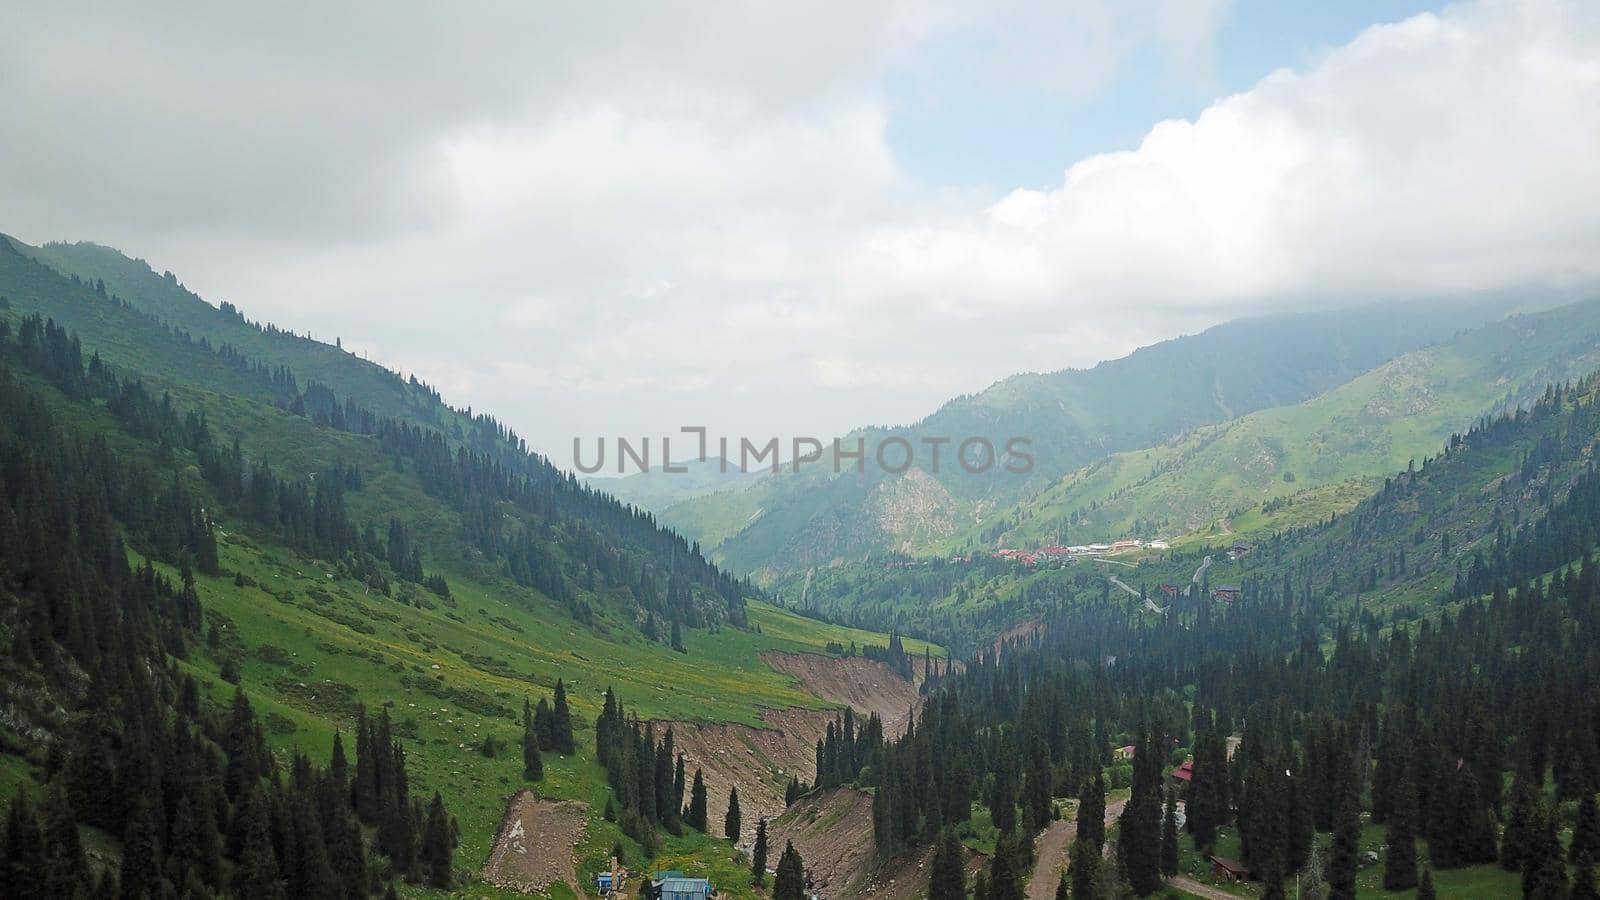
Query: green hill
{"points": [[1305, 461], [342, 553], [1072, 418]]}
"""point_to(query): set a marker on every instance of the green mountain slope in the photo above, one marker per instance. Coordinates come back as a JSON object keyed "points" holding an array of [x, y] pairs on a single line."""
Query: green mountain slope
{"points": [[303, 502], [1512, 500], [1360, 431], [1072, 418]]}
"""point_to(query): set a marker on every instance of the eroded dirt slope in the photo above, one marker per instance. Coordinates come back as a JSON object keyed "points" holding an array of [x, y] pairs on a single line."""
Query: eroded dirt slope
{"points": [[865, 685], [760, 761], [832, 830], [534, 847]]}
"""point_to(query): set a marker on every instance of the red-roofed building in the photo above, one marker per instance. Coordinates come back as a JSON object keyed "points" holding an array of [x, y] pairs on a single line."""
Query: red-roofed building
{"points": [[1184, 773]]}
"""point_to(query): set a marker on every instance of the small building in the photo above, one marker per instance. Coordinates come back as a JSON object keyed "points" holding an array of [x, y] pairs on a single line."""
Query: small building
{"points": [[1238, 550], [677, 886], [1125, 753], [1228, 593], [1234, 871], [1184, 773], [1171, 590]]}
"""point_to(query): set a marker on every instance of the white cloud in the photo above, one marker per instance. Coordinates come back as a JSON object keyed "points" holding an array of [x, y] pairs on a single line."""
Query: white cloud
{"points": [[600, 220]]}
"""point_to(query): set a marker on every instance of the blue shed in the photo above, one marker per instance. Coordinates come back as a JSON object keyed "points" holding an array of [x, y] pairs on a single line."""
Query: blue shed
{"points": [[675, 886]]}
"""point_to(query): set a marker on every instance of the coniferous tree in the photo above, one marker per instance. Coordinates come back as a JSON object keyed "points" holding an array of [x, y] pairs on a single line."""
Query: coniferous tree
{"points": [[947, 879], [438, 845], [1586, 831], [1342, 861], [1425, 890], [1585, 885], [1208, 786], [758, 855], [1006, 870], [730, 823], [790, 882], [1169, 834], [1544, 871], [532, 762], [1400, 858], [66, 868], [1520, 832], [140, 874], [1139, 837], [1085, 869], [695, 817], [22, 857], [1311, 884], [1092, 812], [256, 874], [561, 722]]}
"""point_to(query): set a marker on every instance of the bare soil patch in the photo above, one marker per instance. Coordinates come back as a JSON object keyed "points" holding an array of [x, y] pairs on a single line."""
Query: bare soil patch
{"points": [[865, 685], [534, 847], [759, 761], [832, 830]]}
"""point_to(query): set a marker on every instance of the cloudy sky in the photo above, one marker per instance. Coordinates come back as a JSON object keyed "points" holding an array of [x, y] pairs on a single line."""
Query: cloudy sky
{"points": [[618, 218]]}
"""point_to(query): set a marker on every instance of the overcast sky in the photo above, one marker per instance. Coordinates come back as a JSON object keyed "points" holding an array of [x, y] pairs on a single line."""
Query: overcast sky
{"points": [[619, 218]]}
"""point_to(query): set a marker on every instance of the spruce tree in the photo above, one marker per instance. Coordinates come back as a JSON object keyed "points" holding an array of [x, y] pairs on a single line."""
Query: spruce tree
{"points": [[1085, 868], [1311, 885], [141, 850], [66, 868], [22, 856], [1092, 812], [947, 879], [1518, 839], [1425, 889], [561, 722], [1544, 871], [1584, 883], [1343, 862], [730, 823], [758, 855], [1400, 859], [696, 816], [1586, 831], [256, 874], [1005, 868], [438, 845], [1139, 838], [1169, 834], [532, 762], [790, 882]]}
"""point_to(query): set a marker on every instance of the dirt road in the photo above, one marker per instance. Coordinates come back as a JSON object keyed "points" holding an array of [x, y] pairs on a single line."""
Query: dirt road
{"points": [[1051, 850], [1184, 883]]}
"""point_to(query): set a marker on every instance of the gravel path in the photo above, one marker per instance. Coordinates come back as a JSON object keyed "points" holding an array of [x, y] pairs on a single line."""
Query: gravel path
{"points": [[1052, 848]]}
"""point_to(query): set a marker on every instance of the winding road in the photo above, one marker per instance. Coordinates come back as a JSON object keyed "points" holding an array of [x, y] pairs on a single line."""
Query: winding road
{"points": [[1052, 847]]}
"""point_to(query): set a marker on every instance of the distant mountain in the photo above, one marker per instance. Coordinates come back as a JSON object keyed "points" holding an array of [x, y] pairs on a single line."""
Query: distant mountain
{"points": [[657, 489], [1072, 418], [1255, 466]]}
